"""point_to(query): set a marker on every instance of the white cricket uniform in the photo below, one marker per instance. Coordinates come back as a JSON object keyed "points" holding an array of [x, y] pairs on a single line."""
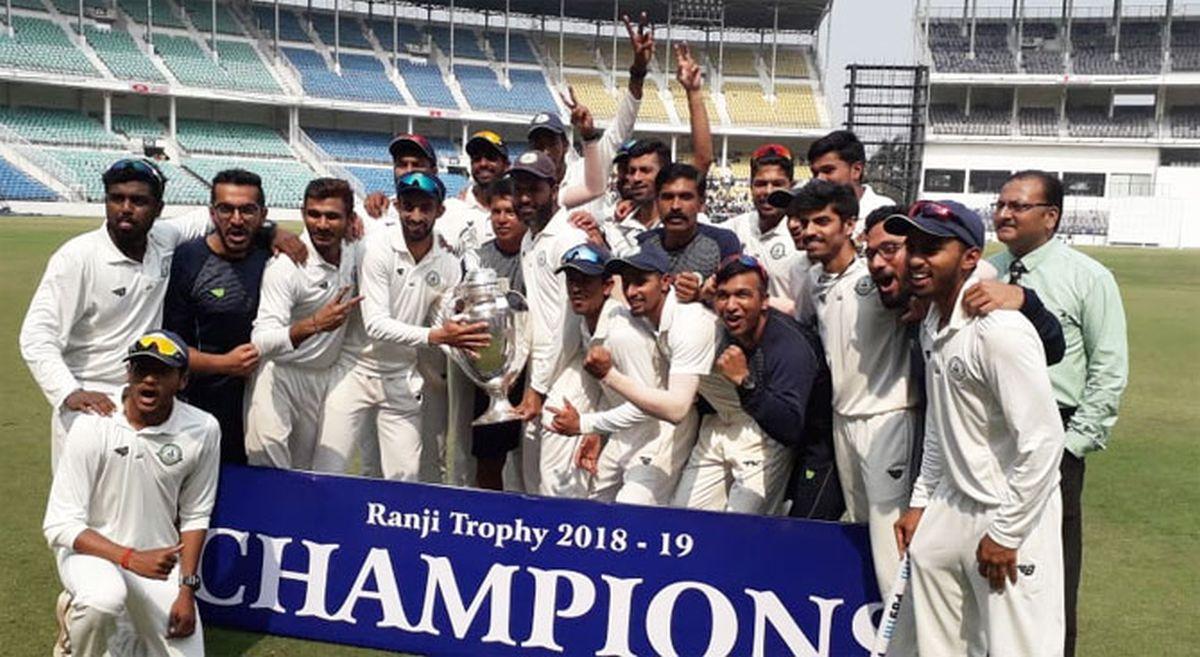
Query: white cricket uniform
{"points": [[870, 201], [383, 383], [92, 303], [288, 391], [130, 486], [622, 236], [993, 442], [466, 224], [643, 456], [775, 249], [874, 400], [574, 182], [555, 340]]}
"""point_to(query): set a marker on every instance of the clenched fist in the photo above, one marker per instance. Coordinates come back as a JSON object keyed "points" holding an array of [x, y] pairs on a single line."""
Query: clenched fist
{"points": [[598, 362], [732, 364]]}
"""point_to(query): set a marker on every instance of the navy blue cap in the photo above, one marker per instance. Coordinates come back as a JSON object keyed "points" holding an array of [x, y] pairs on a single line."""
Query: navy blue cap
{"points": [[587, 259], [163, 346], [535, 163], [940, 219], [547, 121], [650, 257], [419, 181]]}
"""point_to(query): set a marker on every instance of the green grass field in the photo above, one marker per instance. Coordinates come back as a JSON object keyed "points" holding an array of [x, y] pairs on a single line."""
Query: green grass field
{"points": [[1140, 588]]}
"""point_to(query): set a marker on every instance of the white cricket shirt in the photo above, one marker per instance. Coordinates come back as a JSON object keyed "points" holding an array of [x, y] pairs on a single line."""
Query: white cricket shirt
{"points": [[635, 354], [992, 428], [466, 223], [775, 249], [93, 302], [130, 485], [871, 201], [291, 292], [866, 345], [399, 298], [555, 341]]}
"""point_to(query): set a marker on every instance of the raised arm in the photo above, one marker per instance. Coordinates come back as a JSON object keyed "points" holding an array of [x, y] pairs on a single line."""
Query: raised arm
{"points": [[691, 78]]}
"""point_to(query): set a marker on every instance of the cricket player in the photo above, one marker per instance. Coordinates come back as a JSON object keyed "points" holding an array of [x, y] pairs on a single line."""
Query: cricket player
{"points": [[983, 529], [129, 508], [867, 350], [404, 273], [100, 292], [465, 225], [299, 329], [839, 157], [555, 340], [638, 460]]}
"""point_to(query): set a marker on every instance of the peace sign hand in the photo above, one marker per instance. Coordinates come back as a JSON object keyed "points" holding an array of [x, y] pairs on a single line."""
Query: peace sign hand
{"points": [[687, 71], [642, 41], [581, 116]]}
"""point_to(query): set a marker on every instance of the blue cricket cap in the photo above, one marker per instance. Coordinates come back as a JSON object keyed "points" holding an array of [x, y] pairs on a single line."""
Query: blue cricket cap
{"points": [[650, 257], [163, 346], [419, 181], [940, 219]]}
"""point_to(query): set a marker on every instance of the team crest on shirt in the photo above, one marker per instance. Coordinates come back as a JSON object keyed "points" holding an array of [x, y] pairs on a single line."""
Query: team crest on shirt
{"points": [[433, 279], [170, 454], [1026, 569], [542, 259], [778, 251], [864, 286], [957, 368]]}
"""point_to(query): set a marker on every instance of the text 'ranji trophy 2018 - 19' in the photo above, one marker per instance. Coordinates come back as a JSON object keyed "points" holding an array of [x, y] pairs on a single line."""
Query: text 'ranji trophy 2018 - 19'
{"points": [[482, 296]]}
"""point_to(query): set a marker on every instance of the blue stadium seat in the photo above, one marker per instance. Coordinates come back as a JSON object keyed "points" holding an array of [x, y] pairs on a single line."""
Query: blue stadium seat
{"points": [[519, 48], [466, 43], [529, 93], [16, 185], [363, 78], [426, 84], [351, 145], [290, 28], [349, 32]]}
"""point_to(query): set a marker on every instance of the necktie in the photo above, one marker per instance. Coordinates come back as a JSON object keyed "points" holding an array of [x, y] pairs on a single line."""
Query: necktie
{"points": [[1015, 271]]}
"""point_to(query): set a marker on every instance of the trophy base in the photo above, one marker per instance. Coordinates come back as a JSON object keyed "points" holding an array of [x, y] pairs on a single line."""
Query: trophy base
{"points": [[498, 412]]}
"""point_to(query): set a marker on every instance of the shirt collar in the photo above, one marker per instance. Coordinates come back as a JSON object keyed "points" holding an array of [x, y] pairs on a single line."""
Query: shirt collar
{"points": [[318, 259], [668, 312], [170, 426], [111, 253], [1039, 255], [958, 315], [601, 333]]}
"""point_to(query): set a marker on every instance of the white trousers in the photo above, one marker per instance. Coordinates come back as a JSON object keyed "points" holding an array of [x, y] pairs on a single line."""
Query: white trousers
{"points": [[360, 401], [734, 467], [102, 592], [446, 415], [284, 416], [956, 611], [558, 476], [872, 454], [643, 464]]}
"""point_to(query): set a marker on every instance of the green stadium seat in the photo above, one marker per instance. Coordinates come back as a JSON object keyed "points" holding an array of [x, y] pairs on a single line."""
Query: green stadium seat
{"points": [[200, 13], [39, 44], [283, 180], [138, 127], [230, 138], [87, 166], [121, 55], [164, 15], [240, 68], [56, 126]]}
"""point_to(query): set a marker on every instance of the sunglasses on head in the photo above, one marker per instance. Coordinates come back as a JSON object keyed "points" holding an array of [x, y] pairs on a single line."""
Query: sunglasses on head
{"points": [[931, 209], [156, 343], [143, 167], [744, 260], [422, 182], [583, 252], [771, 150]]}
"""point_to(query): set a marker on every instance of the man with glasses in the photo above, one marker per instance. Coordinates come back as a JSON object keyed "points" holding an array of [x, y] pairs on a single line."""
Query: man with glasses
{"points": [[212, 300], [1089, 381]]}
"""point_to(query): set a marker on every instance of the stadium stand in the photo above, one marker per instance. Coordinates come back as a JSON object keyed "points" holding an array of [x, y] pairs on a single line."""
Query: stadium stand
{"points": [[374, 179], [793, 106], [520, 50], [290, 28], [71, 7], [652, 109], [1141, 47], [679, 97], [1185, 122], [230, 138], [195, 68], [348, 31], [57, 126], [425, 83], [16, 185], [1093, 45], [245, 67], [137, 127], [87, 165], [283, 180], [352, 146], [466, 42], [1095, 122], [1045, 55], [121, 55], [528, 95], [738, 61], [577, 52], [951, 48], [789, 63], [1038, 121], [362, 78], [40, 45], [408, 35], [983, 121], [163, 14], [200, 13], [591, 91], [1185, 46]]}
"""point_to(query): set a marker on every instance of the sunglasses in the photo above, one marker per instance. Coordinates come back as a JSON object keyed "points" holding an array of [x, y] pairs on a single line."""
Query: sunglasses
{"points": [[143, 167], [156, 343], [744, 260], [771, 150], [489, 136], [418, 181], [583, 252], [931, 209]]}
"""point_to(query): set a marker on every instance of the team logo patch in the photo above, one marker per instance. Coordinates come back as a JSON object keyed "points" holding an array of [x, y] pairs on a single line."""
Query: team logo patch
{"points": [[958, 369], [433, 279], [541, 118], [324, 285], [778, 251], [1026, 569], [170, 454], [542, 259], [218, 292], [864, 286], [528, 157], [119, 291]]}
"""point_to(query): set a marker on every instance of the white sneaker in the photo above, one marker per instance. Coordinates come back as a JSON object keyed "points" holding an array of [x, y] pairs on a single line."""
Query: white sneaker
{"points": [[62, 607]]}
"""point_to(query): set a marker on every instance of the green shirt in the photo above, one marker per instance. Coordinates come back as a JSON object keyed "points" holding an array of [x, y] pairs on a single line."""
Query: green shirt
{"points": [[1095, 368]]}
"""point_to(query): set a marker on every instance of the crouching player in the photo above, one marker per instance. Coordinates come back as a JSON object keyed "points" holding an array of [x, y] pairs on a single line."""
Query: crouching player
{"points": [[302, 314], [983, 527], [129, 508]]}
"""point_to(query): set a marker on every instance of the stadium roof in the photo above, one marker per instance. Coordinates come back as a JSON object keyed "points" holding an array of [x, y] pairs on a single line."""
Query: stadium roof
{"points": [[794, 15]]}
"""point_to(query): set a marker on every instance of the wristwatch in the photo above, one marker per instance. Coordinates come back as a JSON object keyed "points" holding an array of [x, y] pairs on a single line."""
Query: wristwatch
{"points": [[191, 581], [748, 385]]}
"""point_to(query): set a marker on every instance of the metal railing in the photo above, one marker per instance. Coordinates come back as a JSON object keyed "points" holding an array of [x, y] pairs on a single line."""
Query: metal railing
{"points": [[335, 169], [37, 156]]}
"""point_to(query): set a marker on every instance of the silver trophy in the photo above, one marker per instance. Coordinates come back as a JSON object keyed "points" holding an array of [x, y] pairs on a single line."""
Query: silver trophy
{"points": [[482, 296]]}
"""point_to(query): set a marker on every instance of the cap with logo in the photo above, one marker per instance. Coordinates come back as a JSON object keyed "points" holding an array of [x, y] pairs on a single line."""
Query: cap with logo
{"points": [[486, 141], [164, 346], [421, 182], [650, 257], [535, 163], [546, 121], [624, 150], [139, 168], [401, 143], [940, 219], [587, 259]]}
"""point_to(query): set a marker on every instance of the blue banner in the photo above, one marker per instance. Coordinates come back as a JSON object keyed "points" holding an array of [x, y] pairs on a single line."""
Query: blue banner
{"points": [[446, 571]]}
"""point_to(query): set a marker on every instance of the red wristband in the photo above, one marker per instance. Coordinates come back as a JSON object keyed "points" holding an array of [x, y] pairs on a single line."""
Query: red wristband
{"points": [[125, 558]]}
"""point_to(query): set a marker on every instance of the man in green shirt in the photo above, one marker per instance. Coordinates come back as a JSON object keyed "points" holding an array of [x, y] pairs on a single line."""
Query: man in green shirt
{"points": [[1089, 380]]}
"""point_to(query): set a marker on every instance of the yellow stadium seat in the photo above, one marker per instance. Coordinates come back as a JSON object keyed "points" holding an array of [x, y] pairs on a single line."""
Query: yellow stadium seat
{"points": [[591, 91], [577, 52], [790, 64], [794, 106], [679, 96], [738, 61]]}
